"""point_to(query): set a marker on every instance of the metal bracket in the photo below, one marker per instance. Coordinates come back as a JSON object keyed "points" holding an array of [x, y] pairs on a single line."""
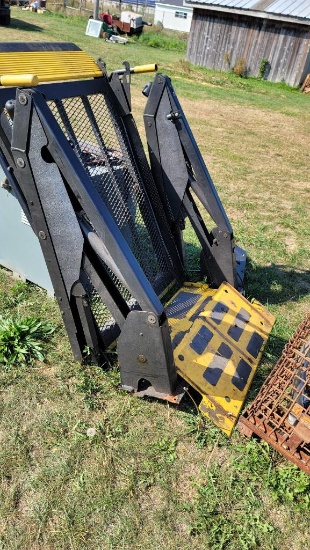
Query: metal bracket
{"points": [[150, 357]]}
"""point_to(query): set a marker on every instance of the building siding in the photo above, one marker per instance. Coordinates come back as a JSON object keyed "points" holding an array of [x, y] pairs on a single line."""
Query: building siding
{"points": [[166, 16], [218, 40]]}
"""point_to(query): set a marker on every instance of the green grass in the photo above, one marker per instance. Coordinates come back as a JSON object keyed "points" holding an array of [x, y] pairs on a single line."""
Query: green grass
{"points": [[157, 37], [147, 474]]}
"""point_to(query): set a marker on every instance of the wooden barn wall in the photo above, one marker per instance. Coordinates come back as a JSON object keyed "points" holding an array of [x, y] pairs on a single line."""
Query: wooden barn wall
{"points": [[217, 41]]}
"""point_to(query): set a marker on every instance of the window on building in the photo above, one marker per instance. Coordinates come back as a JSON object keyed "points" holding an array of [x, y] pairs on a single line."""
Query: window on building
{"points": [[181, 14]]}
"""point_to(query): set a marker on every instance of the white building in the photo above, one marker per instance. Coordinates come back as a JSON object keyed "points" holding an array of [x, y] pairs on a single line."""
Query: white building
{"points": [[173, 15]]}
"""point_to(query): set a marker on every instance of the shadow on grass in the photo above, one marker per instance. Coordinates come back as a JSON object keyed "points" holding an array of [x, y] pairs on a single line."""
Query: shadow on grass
{"points": [[271, 284], [23, 26], [272, 352], [276, 283]]}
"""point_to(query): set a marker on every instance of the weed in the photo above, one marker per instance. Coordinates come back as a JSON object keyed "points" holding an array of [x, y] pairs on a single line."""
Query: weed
{"points": [[91, 386], [252, 459], [219, 80], [184, 66], [205, 433], [164, 450], [18, 292], [240, 67], [230, 522], [290, 484], [21, 340], [264, 66], [227, 59], [160, 455]]}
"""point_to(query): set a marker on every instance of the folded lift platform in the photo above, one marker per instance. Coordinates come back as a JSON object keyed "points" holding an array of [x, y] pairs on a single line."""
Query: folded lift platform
{"points": [[111, 225]]}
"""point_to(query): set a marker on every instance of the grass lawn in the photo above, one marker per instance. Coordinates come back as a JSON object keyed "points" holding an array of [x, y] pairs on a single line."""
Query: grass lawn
{"points": [[149, 475]]}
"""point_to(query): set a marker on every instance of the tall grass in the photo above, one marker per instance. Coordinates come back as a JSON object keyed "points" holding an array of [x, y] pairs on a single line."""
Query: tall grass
{"points": [[156, 37]]}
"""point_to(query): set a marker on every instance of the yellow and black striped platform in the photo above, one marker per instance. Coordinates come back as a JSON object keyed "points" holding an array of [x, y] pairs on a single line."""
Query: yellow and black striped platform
{"points": [[218, 338]]}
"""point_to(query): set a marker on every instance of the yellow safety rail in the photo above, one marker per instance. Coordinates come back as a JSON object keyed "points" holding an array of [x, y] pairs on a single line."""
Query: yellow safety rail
{"points": [[33, 68]]}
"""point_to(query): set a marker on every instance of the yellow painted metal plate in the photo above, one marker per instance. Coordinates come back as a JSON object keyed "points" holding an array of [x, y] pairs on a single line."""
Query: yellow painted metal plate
{"points": [[218, 342], [47, 66]]}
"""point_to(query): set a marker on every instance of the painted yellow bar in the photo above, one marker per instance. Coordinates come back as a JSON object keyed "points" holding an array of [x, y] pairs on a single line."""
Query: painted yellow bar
{"points": [[46, 66], [19, 80], [151, 68]]}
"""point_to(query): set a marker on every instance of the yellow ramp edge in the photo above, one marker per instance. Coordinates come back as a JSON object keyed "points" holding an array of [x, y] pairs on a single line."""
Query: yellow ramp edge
{"points": [[47, 66], [218, 338]]}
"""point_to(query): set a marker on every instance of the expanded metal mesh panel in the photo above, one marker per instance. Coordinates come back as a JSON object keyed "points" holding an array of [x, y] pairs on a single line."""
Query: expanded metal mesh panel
{"points": [[107, 326], [96, 132], [6, 114], [280, 414]]}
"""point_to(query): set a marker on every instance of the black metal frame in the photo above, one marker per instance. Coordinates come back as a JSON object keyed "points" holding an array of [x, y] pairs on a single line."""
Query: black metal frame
{"points": [[41, 165], [180, 174], [80, 240]]}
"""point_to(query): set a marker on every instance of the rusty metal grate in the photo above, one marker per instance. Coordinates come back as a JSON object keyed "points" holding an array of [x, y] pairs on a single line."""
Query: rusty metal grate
{"points": [[280, 414]]}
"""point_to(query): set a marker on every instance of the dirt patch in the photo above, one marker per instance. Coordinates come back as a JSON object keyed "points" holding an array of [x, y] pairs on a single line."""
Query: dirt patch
{"points": [[153, 498], [290, 243]]}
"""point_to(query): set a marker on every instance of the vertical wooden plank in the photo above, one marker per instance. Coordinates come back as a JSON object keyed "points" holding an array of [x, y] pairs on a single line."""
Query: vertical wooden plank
{"points": [[214, 35]]}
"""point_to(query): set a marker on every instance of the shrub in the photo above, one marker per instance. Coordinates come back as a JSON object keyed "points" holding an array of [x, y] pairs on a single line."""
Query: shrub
{"points": [[240, 67], [263, 67]]}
